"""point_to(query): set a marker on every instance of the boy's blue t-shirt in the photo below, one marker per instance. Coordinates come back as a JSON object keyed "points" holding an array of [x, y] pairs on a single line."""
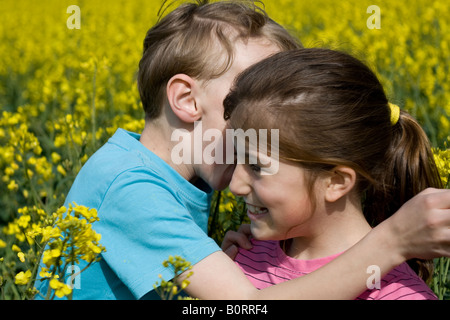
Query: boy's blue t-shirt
{"points": [[147, 212]]}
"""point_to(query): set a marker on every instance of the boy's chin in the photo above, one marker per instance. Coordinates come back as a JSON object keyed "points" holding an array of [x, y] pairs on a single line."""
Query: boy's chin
{"points": [[220, 185], [221, 181]]}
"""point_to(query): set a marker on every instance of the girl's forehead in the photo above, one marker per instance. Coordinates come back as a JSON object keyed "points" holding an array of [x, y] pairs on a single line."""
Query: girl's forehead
{"points": [[255, 152]]}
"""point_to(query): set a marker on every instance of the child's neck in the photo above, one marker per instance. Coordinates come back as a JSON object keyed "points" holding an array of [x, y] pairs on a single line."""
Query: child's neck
{"points": [[155, 137], [336, 232]]}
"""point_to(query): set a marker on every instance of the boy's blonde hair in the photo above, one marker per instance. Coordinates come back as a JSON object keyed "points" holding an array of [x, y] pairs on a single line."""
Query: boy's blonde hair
{"points": [[197, 39]]}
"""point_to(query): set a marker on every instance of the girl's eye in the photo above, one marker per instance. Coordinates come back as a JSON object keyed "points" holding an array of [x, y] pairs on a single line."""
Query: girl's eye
{"points": [[255, 168]]}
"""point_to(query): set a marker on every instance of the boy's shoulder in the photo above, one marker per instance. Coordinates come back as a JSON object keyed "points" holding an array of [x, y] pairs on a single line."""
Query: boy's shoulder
{"points": [[122, 162], [121, 153], [122, 150]]}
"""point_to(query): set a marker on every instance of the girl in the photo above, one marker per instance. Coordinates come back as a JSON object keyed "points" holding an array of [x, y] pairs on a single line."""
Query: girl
{"points": [[348, 159]]}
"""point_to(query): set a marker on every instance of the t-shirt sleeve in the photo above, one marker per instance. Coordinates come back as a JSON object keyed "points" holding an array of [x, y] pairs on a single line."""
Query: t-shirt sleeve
{"points": [[142, 223]]}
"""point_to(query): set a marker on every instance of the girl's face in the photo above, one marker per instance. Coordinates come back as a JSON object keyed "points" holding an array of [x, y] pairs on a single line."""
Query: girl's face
{"points": [[278, 205]]}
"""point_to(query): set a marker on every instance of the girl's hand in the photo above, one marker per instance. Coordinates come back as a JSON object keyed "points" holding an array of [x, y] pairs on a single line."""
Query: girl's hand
{"points": [[421, 227], [235, 239]]}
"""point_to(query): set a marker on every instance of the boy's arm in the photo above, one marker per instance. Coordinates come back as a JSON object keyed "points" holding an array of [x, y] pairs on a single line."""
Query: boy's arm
{"points": [[419, 229], [218, 277]]}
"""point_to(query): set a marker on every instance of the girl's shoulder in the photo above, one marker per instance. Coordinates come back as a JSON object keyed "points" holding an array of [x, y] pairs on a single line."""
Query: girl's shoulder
{"points": [[401, 283], [264, 245], [261, 251]]}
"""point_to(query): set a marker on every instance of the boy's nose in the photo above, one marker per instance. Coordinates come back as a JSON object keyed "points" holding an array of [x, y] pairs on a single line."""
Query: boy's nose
{"points": [[239, 185]]}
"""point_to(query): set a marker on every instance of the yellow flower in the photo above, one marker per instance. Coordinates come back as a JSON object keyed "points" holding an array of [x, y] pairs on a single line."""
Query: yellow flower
{"points": [[55, 157], [49, 257], [13, 186], [32, 161], [22, 278], [61, 170], [45, 273], [61, 289], [184, 284], [21, 256], [89, 214], [49, 232], [23, 221], [226, 207], [9, 171], [2, 244]]}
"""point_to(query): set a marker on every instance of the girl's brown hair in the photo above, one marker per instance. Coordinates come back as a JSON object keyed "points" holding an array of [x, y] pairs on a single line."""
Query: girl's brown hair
{"points": [[197, 39], [331, 110]]}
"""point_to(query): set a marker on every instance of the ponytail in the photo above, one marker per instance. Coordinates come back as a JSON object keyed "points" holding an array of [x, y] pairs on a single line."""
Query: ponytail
{"points": [[408, 169], [411, 162]]}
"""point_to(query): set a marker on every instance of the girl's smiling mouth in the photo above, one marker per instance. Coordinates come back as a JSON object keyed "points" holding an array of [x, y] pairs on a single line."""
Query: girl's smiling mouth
{"points": [[255, 211]]}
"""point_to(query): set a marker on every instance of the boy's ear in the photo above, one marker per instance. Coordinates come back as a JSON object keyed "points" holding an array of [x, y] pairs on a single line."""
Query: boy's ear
{"points": [[340, 182], [182, 99]]}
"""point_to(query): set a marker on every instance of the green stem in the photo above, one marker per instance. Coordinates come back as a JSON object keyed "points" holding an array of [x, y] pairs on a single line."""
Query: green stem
{"points": [[35, 268], [94, 121]]}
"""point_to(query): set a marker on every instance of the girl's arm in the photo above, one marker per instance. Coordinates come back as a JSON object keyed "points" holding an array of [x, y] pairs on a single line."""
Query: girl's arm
{"points": [[420, 229]]}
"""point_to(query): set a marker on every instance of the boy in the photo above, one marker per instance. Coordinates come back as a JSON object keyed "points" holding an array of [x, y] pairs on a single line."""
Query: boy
{"points": [[151, 207]]}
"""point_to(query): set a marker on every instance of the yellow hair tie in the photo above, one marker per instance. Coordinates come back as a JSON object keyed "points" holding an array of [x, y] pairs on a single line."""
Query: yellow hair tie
{"points": [[395, 113]]}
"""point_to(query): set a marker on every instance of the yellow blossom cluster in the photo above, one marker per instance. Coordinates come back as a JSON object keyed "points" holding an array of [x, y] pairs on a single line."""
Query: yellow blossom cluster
{"points": [[60, 239], [69, 239], [168, 290], [442, 159], [227, 213]]}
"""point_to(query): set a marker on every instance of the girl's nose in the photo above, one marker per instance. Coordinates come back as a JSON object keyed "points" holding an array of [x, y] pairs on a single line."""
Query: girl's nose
{"points": [[239, 184]]}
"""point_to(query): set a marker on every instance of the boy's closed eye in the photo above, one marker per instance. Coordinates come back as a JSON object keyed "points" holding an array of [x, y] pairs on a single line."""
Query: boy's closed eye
{"points": [[255, 168]]}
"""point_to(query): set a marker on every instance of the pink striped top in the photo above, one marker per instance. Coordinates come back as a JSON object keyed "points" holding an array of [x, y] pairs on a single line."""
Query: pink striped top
{"points": [[266, 264]]}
